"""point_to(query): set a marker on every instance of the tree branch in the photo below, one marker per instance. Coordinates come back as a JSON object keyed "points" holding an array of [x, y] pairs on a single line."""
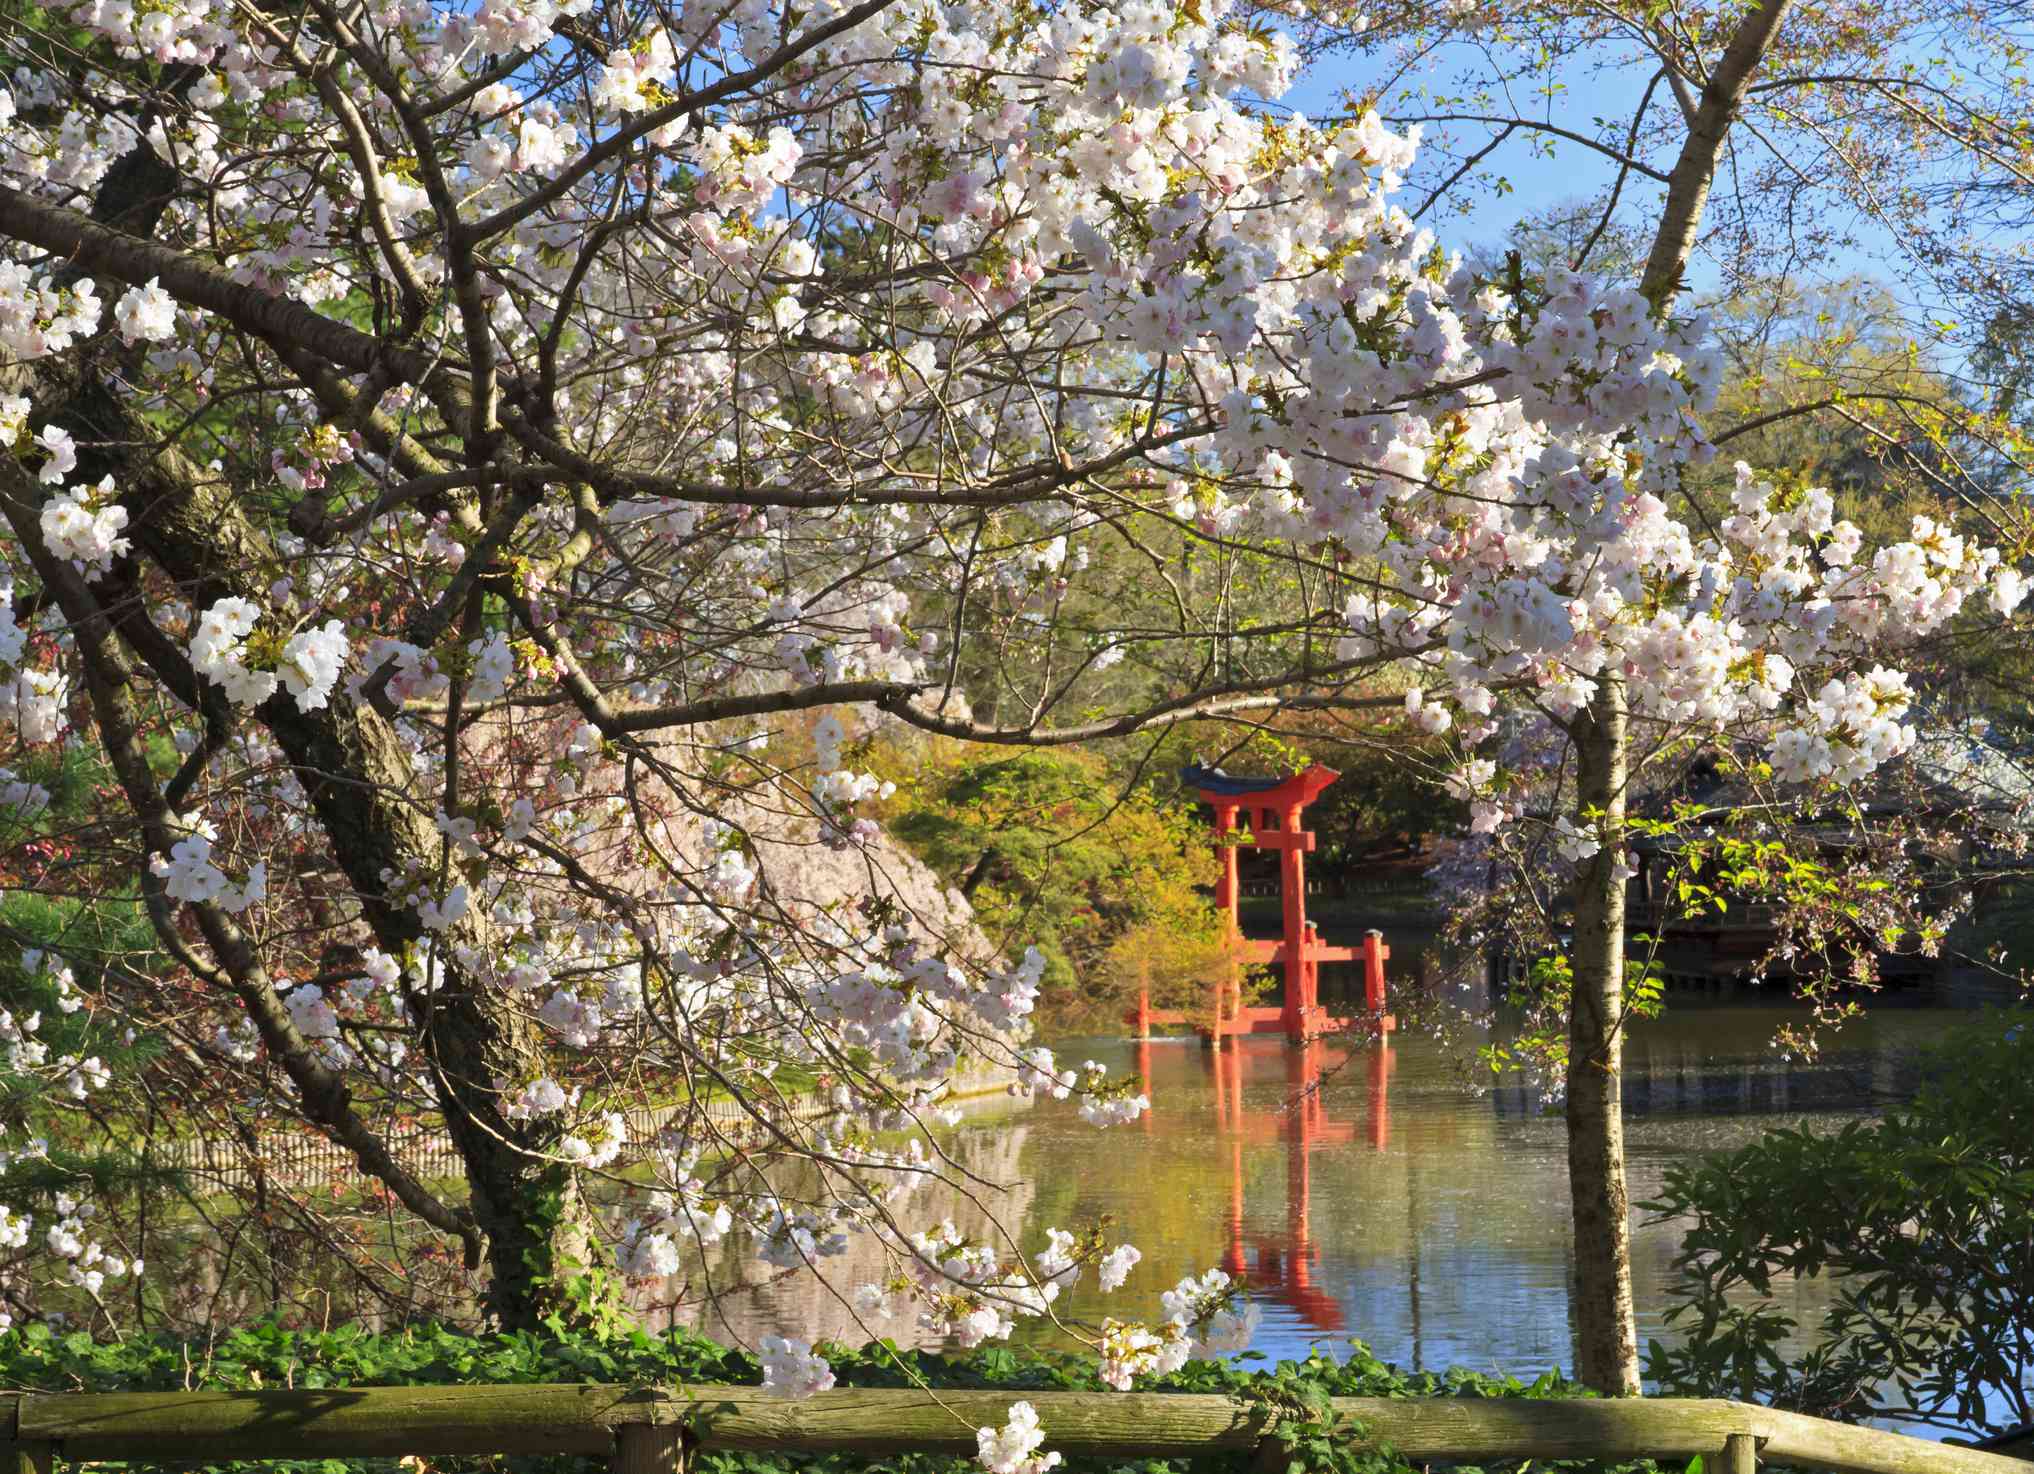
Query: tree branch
{"points": [[85, 243], [1695, 170]]}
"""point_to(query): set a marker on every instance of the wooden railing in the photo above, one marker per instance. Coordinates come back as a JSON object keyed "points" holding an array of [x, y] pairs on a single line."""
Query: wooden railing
{"points": [[656, 1431]]}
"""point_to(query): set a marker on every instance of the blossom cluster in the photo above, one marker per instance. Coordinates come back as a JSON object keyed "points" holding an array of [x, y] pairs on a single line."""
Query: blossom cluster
{"points": [[1014, 1447], [83, 524], [791, 1368], [190, 873], [307, 665], [1204, 1317]]}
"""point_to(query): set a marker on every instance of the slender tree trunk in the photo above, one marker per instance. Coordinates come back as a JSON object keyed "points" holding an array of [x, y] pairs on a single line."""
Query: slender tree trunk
{"points": [[1708, 129], [1606, 1333]]}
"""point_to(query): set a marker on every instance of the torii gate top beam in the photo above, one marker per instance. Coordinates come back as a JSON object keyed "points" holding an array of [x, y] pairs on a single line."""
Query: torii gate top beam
{"points": [[1273, 795]]}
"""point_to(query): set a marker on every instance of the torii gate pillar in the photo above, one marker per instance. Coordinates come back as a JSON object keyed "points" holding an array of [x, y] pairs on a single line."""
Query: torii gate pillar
{"points": [[1274, 813]]}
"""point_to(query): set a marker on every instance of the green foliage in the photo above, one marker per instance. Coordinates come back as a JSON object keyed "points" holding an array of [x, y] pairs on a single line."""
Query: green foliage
{"points": [[1925, 1223], [1294, 1394], [1313, 1435], [1053, 853], [58, 913]]}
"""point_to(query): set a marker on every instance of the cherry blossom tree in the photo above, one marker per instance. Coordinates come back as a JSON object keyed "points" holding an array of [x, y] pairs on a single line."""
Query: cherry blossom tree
{"points": [[480, 472], [1737, 140]]}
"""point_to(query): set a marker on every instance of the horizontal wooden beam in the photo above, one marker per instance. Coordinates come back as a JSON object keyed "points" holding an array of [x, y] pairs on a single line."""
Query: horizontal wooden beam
{"points": [[1817, 1443], [1303, 840], [576, 1418], [335, 1422]]}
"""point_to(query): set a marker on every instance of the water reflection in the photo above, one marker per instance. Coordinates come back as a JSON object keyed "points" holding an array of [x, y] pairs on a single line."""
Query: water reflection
{"points": [[1363, 1190], [733, 1297], [1279, 1266]]}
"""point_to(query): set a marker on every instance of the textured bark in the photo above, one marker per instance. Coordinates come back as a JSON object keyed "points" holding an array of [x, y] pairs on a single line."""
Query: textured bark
{"points": [[1606, 1333], [1695, 169], [324, 1098], [526, 1214], [95, 248], [356, 773]]}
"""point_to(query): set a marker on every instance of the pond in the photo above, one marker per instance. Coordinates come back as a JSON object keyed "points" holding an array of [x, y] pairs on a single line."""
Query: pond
{"points": [[1395, 1204]]}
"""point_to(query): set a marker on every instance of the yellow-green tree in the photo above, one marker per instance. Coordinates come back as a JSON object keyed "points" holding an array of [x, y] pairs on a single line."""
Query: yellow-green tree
{"points": [[1052, 854]]}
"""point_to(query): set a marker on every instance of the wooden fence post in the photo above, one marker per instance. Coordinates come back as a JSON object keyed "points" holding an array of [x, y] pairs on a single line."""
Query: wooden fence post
{"points": [[645, 1448], [1740, 1454], [27, 1458]]}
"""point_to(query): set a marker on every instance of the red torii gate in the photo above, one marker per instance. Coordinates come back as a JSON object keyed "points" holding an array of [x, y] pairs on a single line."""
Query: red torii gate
{"points": [[1273, 810]]}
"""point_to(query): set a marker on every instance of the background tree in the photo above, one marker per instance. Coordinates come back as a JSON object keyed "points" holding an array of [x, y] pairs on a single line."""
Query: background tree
{"points": [[1773, 138], [1052, 852]]}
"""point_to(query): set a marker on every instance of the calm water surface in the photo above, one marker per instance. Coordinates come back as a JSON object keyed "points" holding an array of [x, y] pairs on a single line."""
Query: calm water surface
{"points": [[1393, 1204]]}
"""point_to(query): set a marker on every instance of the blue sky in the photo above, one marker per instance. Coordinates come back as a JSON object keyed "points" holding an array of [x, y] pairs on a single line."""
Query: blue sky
{"points": [[1545, 171]]}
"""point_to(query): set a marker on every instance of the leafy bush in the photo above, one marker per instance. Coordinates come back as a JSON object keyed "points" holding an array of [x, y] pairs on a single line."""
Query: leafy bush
{"points": [[271, 1355], [1923, 1221]]}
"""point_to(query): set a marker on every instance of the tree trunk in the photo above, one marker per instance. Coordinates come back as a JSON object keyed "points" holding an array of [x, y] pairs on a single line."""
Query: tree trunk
{"points": [[1708, 129], [1606, 1333], [527, 1215], [526, 1203], [526, 1207]]}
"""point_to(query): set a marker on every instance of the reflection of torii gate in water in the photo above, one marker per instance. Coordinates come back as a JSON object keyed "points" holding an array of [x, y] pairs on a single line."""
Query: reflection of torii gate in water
{"points": [[1272, 810], [1283, 1267]]}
